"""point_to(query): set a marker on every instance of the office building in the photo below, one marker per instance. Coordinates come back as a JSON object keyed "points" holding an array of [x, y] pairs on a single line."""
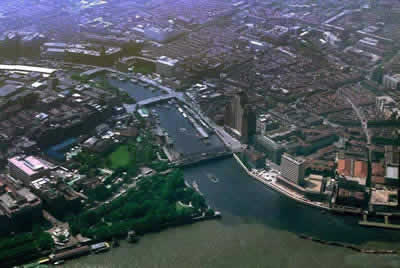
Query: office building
{"points": [[292, 168], [272, 149], [392, 155], [9, 45], [392, 176], [19, 207], [391, 81], [166, 66], [161, 35], [240, 119], [81, 53], [52, 82]]}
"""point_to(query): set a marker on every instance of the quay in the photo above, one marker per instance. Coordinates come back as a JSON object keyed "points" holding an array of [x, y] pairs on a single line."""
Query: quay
{"points": [[386, 224], [282, 190], [379, 225], [78, 252], [349, 246]]}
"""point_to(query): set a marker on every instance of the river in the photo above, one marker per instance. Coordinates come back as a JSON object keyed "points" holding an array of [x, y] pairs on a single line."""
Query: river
{"points": [[135, 90], [259, 229], [187, 140]]}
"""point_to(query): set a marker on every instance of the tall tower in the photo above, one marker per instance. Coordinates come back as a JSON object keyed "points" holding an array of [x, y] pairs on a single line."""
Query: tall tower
{"points": [[240, 117]]}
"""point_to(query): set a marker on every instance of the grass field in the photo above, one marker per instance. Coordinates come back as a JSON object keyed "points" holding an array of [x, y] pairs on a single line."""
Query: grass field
{"points": [[179, 207], [144, 68], [120, 157]]}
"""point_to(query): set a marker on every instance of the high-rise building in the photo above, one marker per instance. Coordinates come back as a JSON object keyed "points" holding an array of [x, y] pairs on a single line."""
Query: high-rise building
{"points": [[240, 117], [391, 81], [292, 168], [160, 34], [52, 82], [9, 45]]}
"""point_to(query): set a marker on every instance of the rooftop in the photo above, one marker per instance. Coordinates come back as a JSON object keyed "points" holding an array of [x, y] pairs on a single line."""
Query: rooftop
{"points": [[392, 172], [7, 90], [29, 165], [384, 197], [352, 168], [25, 68], [313, 183]]}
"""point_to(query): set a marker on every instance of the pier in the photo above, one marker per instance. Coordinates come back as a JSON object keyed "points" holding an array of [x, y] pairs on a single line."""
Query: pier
{"points": [[283, 190], [385, 224]]}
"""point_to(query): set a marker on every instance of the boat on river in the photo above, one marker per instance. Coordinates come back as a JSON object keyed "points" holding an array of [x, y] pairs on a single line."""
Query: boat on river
{"points": [[213, 178]]}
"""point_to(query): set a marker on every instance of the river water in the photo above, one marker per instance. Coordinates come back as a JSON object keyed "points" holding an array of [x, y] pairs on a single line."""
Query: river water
{"points": [[259, 228], [135, 90], [186, 139]]}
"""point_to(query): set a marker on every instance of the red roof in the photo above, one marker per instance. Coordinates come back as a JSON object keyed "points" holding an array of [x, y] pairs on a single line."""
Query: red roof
{"points": [[378, 169], [378, 180], [360, 169], [344, 167]]}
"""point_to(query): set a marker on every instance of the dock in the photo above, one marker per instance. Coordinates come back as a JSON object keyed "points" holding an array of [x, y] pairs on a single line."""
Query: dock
{"points": [[281, 189], [379, 224], [189, 115], [386, 224]]}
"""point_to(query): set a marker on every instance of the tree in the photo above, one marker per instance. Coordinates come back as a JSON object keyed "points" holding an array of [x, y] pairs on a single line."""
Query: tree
{"points": [[377, 74], [210, 212], [44, 241], [61, 237]]}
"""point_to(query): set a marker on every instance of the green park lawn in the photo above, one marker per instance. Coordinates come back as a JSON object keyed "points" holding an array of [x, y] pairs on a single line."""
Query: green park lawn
{"points": [[144, 69], [120, 157]]}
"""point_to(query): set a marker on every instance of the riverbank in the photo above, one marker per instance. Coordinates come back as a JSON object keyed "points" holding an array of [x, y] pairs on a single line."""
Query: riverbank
{"points": [[94, 248], [310, 203], [259, 228], [230, 243], [350, 246], [281, 189]]}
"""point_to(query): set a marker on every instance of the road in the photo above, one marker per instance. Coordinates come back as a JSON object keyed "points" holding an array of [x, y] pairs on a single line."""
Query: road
{"points": [[364, 121], [364, 124]]}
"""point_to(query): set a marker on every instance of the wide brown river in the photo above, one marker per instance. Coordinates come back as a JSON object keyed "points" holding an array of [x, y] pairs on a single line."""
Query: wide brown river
{"points": [[259, 228]]}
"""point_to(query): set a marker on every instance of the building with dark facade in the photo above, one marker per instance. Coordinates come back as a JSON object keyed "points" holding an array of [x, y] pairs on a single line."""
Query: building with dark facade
{"points": [[19, 207], [240, 118]]}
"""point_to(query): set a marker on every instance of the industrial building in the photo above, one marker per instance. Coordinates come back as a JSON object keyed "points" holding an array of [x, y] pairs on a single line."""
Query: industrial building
{"points": [[27, 168]]}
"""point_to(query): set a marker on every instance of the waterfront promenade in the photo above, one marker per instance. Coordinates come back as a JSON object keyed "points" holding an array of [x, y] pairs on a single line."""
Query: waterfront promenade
{"points": [[283, 190]]}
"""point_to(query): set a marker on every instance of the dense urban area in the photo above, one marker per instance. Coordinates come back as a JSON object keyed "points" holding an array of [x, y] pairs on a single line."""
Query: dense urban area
{"points": [[103, 103]]}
